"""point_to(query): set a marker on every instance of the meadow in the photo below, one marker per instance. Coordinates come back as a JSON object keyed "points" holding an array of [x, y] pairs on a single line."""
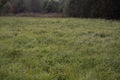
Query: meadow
{"points": [[59, 49]]}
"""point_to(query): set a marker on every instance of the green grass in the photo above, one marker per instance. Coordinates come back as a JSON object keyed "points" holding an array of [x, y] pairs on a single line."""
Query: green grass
{"points": [[59, 49]]}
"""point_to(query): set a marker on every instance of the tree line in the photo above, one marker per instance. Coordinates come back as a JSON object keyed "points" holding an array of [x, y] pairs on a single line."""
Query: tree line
{"points": [[94, 8], [72, 8], [31, 6]]}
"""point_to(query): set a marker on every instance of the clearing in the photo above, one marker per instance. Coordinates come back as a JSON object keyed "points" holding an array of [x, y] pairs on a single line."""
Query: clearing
{"points": [[59, 49]]}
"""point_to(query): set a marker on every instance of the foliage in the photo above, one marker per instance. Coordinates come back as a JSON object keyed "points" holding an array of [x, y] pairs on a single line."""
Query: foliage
{"points": [[52, 6], [94, 8], [7, 8], [18, 6], [32, 6]]}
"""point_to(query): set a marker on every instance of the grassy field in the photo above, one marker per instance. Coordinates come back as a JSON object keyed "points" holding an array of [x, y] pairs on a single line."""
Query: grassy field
{"points": [[59, 49]]}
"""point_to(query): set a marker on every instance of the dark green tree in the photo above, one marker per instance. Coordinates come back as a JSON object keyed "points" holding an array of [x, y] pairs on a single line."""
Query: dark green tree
{"points": [[51, 6], [7, 8], [4, 6], [36, 6], [94, 8], [18, 6]]}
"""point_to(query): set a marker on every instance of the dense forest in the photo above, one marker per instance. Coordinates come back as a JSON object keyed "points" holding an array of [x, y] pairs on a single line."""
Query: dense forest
{"points": [[94, 8], [72, 8], [31, 6]]}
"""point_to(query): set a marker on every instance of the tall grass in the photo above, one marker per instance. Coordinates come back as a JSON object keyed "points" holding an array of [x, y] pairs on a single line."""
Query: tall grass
{"points": [[59, 49]]}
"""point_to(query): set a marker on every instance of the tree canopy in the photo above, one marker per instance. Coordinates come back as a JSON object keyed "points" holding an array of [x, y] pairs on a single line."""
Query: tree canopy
{"points": [[94, 8], [73, 8]]}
